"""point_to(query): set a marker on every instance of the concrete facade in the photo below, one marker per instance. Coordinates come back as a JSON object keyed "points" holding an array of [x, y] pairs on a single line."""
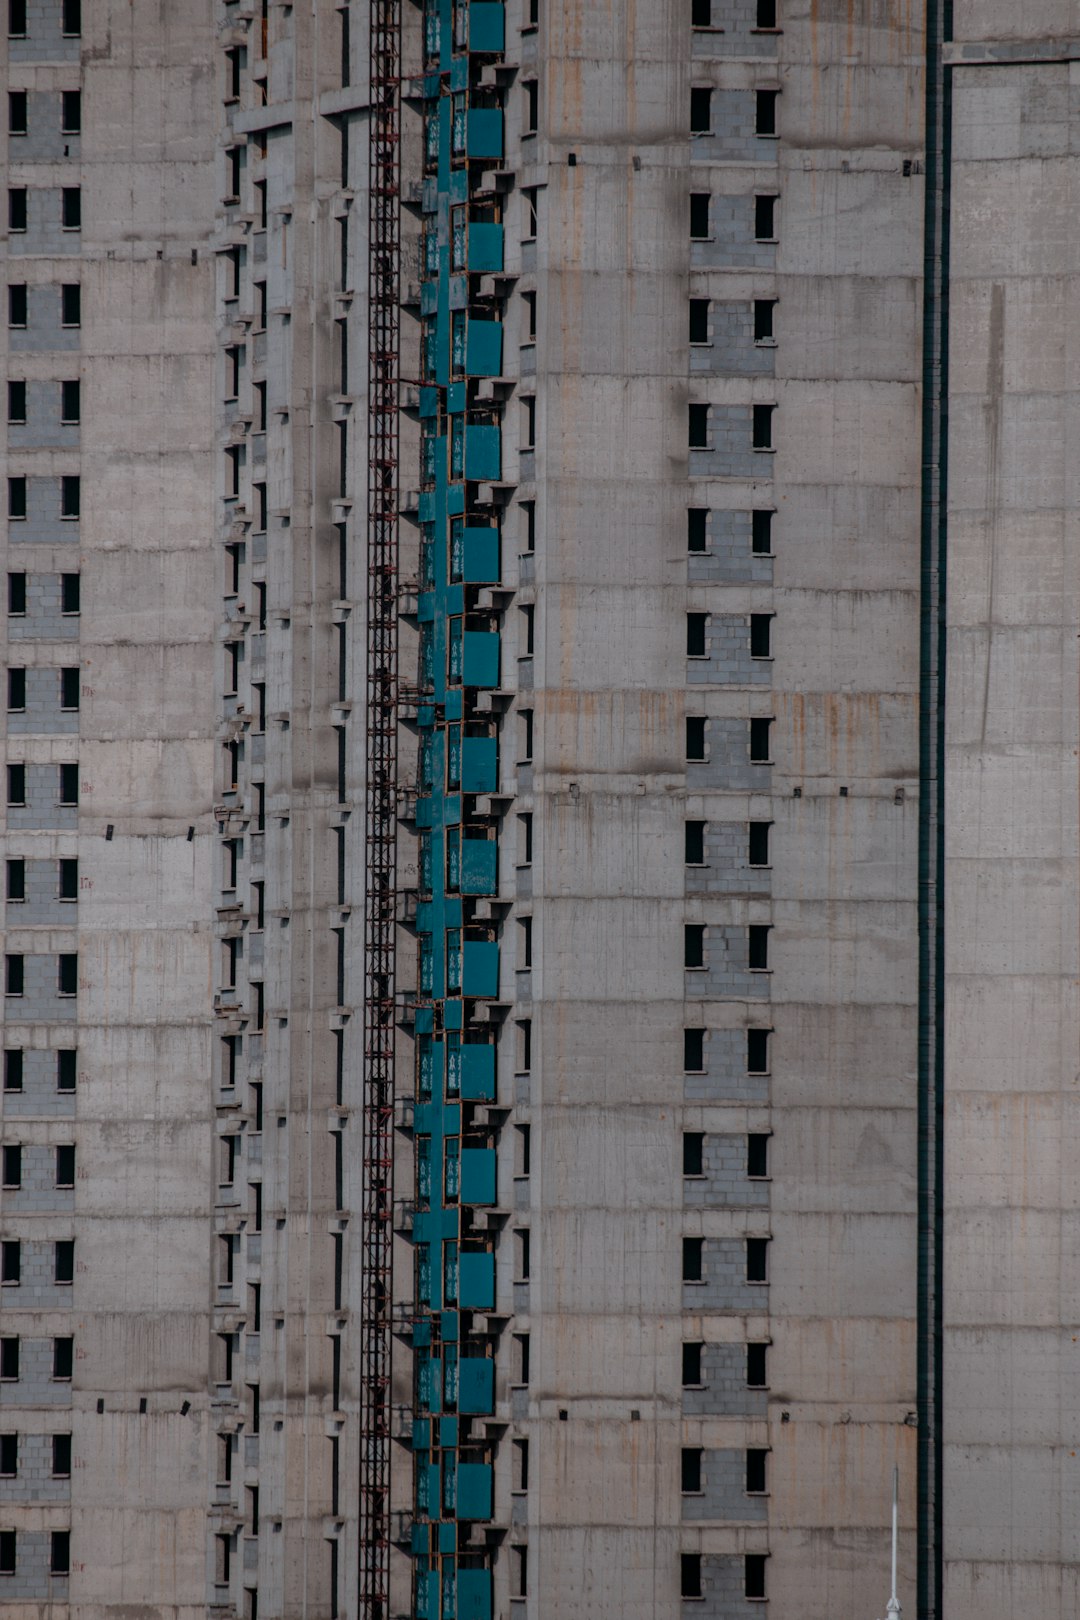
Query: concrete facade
{"points": [[627, 449]]}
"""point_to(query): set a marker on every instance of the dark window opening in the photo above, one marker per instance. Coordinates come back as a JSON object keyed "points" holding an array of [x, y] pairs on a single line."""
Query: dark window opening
{"points": [[695, 843], [13, 975], [17, 108], [11, 1262], [11, 1163], [693, 1051], [760, 740], [532, 107], [757, 1051], [69, 593], [693, 1153], [758, 843], [69, 688], [72, 17], [757, 935], [70, 495], [16, 879], [695, 736], [16, 399], [691, 1470], [71, 112], [695, 635], [761, 635], [9, 1359], [698, 427], [61, 1456], [60, 1552], [755, 1366], [16, 208], [68, 973], [17, 302], [17, 499], [16, 595], [701, 14], [65, 1165], [8, 1552], [70, 401], [764, 311], [699, 320], [690, 1575], [71, 304], [71, 208], [64, 1260], [693, 1257], [765, 218], [13, 1068], [69, 878], [16, 19], [69, 784], [765, 111], [694, 945], [16, 690], [699, 216], [66, 1059], [757, 1260], [763, 427], [757, 1155], [700, 110], [755, 1472], [9, 1456], [766, 14], [63, 1358], [761, 529], [697, 528], [16, 784], [754, 1575], [691, 1365]]}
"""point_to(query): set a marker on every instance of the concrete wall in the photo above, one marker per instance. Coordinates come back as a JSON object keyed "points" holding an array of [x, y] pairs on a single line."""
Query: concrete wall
{"points": [[1010, 1496], [140, 1115]]}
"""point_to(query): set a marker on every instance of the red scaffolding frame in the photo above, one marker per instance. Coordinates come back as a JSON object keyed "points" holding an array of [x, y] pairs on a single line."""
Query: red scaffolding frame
{"points": [[380, 828]]}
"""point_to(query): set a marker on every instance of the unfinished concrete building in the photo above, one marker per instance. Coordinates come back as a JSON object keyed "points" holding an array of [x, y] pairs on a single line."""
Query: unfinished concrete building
{"points": [[540, 925]]}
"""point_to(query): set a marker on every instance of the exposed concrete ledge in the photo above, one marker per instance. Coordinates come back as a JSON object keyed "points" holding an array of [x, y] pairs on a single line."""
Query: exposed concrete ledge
{"points": [[1002, 52]]}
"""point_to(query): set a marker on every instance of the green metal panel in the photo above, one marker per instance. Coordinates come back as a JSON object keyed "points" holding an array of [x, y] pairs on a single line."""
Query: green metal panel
{"points": [[477, 1170], [474, 1594], [483, 453], [476, 1282], [485, 247], [484, 132], [480, 658], [474, 1491], [483, 348], [480, 559], [477, 1073], [480, 968], [479, 764], [476, 1384], [479, 866], [487, 27]]}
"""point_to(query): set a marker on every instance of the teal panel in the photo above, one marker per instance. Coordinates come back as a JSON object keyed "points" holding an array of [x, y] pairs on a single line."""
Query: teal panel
{"points": [[479, 866], [474, 1594], [483, 453], [484, 132], [480, 968], [476, 1384], [487, 29], [485, 248], [474, 1491], [480, 555], [477, 1073], [476, 1284], [483, 349], [480, 658], [477, 1175], [479, 764]]}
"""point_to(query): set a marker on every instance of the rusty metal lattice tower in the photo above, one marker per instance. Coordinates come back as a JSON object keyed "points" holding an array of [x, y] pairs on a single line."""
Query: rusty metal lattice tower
{"points": [[380, 829]]}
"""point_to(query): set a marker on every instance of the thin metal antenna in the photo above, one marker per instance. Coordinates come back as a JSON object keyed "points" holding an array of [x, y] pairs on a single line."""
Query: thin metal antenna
{"points": [[893, 1610]]}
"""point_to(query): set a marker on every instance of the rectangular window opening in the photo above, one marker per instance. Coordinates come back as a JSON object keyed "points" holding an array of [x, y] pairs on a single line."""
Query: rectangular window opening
{"points": [[691, 1365], [693, 1051], [699, 321], [765, 218], [691, 1471], [760, 741], [694, 945], [693, 1259], [699, 216], [16, 596], [757, 947], [757, 1260], [71, 208], [71, 112], [700, 110], [17, 108], [764, 312], [697, 528], [695, 737], [693, 1153], [695, 635], [694, 854], [765, 111], [761, 635], [698, 427], [690, 1575], [757, 1051]]}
